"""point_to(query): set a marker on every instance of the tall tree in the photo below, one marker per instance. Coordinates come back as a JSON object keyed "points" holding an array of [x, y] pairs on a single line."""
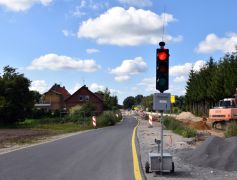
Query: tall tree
{"points": [[16, 100], [128, 102], [138, 99], [215, 81], [147, 102], [110, 102]]}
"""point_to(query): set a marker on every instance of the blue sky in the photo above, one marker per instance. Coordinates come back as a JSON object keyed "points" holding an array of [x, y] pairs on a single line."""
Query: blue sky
{"points": [[112, 43]]}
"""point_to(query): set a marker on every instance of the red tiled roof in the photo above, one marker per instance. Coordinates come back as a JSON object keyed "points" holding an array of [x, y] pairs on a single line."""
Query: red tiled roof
{"points": [[100, 99], [57, 88]]}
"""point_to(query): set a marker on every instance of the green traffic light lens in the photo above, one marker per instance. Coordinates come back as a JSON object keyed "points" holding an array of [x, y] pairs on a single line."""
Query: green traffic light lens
{"points": [[162, 82]]}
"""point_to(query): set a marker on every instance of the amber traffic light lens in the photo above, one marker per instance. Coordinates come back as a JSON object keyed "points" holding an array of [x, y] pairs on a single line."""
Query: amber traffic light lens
{"points": [[163, 68]]}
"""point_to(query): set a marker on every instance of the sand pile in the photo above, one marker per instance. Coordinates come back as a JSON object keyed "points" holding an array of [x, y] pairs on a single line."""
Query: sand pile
{"points": [[215, 152], [192, 121], [185, 116]]}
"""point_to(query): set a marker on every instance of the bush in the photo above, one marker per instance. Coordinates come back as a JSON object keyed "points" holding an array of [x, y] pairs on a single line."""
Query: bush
{"points": [[176, 110], [178, 127], [85, 108], [81, 113], [107, 119], [231, 130]]}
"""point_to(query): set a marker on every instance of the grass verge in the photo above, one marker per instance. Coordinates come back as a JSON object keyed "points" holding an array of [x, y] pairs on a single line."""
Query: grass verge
{"points": [[32, 130], [231, 129], [178, 127]]}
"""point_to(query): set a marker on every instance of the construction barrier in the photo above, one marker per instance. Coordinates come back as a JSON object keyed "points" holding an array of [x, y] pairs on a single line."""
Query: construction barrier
{"points": [[150, 120], [94, 121]]}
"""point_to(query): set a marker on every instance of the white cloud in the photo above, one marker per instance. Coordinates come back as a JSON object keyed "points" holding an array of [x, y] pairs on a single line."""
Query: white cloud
{"points": [[183, 70], [176, 89], [39, 85], [214, 43], [198, 65], [149, 84], [129, 68], [67, 33], [78, 12], [115, 92], [87, 5], [22, 5], [179, 79], [58, 62], [119, 26], [83, 4], [96, 87], [92, 50], [75, 88], [122, 78], [180, 70], [137, 3]]}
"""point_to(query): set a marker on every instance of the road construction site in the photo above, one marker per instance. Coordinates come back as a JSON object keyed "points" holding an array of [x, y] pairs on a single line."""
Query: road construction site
{"points": [[207, 156]]}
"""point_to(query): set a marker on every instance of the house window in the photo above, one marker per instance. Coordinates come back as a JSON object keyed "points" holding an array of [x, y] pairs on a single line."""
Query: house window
{"points": [[87, 98], [81, 98]]}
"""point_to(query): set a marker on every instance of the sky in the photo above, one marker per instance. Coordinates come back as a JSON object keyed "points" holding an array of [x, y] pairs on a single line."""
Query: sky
{"points": [[112, 43]]}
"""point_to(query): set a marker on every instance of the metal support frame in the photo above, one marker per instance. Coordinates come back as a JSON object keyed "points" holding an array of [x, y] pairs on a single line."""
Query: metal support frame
{"points": [[161, 138]]}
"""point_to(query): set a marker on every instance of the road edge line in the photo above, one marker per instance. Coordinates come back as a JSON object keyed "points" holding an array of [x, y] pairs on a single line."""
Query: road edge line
{"points": [[136, 167]]}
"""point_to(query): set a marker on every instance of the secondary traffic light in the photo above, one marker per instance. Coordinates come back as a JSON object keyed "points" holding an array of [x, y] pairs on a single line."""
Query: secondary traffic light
{"points": [[162, 69]]}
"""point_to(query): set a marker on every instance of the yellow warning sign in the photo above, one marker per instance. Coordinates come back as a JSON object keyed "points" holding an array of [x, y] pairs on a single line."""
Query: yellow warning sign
{"points": [[172, 99]]}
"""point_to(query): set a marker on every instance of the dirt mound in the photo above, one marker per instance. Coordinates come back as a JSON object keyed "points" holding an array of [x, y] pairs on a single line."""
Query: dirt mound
{"points": [[199, 125], [185, 116], [215, 152], [192, 121]]}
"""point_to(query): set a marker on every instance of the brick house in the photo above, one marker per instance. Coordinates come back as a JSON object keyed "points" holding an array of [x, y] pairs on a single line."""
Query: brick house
{"points": [[56, 96], [82, 96]]}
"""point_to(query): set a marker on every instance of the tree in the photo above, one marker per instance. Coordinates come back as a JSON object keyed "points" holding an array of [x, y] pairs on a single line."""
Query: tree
{"points": [[179, 102], [147, 102], [138, 99], [36, 96], [109, 102], [215, 81], [128, 102], [16, 100]]}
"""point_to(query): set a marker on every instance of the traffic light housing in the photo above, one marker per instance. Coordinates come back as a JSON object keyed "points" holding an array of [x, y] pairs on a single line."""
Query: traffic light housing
{"points": [[162, 69]]}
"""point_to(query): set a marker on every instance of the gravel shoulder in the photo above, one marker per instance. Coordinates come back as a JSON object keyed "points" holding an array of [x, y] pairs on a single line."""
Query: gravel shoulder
{"points": [[177, 146]]}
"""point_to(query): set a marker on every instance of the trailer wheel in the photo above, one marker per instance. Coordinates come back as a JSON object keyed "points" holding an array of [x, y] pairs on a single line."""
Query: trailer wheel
{"points": [[147, 167], [172, 170]]}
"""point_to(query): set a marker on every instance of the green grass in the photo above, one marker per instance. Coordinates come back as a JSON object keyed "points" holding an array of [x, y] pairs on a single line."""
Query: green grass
{"points": [[178, 127], [53, 126], [231, 130], [71, 125], [63, 128]]}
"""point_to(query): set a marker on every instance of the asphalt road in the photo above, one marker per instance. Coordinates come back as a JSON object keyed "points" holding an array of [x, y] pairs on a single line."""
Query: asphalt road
{"points": [[101, 154]]}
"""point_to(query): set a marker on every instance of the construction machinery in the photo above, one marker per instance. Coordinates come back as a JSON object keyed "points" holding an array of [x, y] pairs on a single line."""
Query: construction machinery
{"points": [[224, 111]]}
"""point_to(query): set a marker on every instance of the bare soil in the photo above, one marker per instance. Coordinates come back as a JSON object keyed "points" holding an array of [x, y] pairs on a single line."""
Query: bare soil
{"points": [[10, 137]]}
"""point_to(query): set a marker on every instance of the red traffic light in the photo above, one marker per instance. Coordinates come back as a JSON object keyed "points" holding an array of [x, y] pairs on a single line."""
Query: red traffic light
{"points": [[162, 69], [162, 56]]}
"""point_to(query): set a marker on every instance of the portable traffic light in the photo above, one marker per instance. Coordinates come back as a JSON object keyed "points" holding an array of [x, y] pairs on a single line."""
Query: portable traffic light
{"points": [[162, 69]]}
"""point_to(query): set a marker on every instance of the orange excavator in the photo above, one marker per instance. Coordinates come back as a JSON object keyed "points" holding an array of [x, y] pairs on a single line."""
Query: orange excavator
{"points": [[224, 111]]}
